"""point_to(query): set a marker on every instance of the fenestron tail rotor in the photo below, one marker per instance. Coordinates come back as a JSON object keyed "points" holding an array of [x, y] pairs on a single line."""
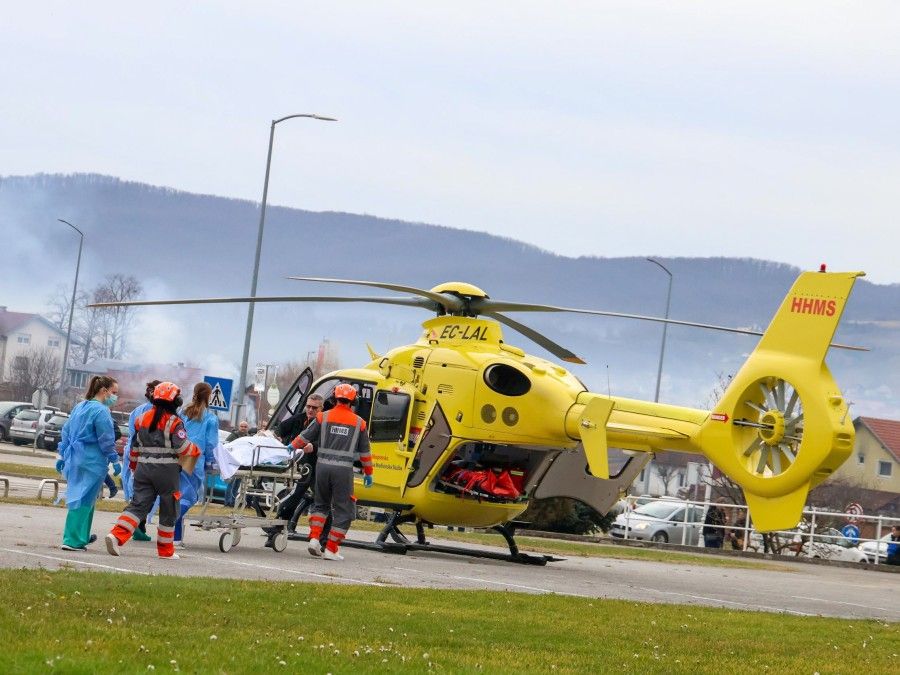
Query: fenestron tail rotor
{"points": [[778, 426]]}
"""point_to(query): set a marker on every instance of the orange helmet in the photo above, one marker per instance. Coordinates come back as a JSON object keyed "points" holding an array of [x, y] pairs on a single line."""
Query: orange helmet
{"points": [[167, 391], [345, 391]]}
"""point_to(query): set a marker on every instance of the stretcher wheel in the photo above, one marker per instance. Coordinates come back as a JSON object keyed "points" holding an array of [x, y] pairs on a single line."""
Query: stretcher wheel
{"points": [[235, 536], [226, 542], [279, 543]]}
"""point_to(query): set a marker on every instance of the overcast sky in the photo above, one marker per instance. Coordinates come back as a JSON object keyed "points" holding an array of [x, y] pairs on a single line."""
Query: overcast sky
{"points": [[760, 129]]}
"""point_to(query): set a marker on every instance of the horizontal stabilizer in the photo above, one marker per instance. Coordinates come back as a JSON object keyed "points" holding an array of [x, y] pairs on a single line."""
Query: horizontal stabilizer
{"points": [[592, 428], [777, 513]]}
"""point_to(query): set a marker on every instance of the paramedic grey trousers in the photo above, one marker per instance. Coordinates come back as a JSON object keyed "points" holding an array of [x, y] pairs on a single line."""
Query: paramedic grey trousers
{"points": [[150, 481], [334, 490]]}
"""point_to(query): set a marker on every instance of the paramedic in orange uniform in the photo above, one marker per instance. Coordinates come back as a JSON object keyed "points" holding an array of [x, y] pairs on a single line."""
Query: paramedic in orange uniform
{"points": [[159, 441], [337, 437]]}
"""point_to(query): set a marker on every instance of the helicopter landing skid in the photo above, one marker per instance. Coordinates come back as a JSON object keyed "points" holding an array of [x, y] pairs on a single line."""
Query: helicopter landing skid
{"points": [[401, 543]]}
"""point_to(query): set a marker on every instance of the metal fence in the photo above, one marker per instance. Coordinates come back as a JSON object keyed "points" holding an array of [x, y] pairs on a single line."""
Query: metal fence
{"points": [[814, 536]]}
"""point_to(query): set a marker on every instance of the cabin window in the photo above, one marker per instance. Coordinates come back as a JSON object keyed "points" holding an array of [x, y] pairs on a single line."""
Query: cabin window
{"points": [[389, 413], [884, 469], [861, 458]]}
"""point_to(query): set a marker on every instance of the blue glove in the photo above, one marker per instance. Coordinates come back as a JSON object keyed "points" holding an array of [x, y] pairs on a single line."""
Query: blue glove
{"points": [[367, 481], [60, 465], [117, 468]]}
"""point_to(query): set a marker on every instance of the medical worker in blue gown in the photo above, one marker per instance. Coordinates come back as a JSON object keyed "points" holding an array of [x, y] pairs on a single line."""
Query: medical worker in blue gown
{"points": [[202, 427], [86, 448], [140, 534]]}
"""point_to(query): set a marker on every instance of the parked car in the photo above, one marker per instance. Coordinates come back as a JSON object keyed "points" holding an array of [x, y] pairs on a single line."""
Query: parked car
{"points": [[830, 544], [662, 521], [119, 417], [868, 549], [53, 430], [8, 410], [28, 426], [123, 436]]}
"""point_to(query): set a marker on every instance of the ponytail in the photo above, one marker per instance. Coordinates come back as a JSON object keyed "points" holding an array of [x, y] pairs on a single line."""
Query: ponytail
{"points": [[198, 405], [97, 383]]}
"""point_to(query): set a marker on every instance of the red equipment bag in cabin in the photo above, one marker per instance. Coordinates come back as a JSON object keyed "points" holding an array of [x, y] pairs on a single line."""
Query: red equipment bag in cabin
{"points": [[489, 482]]}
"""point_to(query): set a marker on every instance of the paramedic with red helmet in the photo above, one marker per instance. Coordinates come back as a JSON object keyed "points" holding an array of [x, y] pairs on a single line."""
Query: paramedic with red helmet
{"points": [[159, 445], [336, 436]]}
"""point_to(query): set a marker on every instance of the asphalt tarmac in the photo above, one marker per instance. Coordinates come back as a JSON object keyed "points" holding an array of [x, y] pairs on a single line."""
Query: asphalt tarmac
{"points": [[30, 538]]}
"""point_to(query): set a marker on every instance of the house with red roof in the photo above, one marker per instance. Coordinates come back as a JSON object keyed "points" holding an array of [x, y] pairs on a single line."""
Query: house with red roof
{"points": [[21, 335]]}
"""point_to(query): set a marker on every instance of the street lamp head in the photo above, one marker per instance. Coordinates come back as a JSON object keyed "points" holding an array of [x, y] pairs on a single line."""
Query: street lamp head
{"points": [[308, 115], [660, 265]]}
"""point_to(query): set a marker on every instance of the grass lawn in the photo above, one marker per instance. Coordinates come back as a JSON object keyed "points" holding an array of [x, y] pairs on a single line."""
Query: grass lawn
{"points": [[101, 622], [29, 470]]}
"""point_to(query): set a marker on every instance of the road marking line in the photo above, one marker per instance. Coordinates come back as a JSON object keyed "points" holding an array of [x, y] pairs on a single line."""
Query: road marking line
{"points": [[282, 569], [643, 588], [74, 561], [852, 604], [730, 602]]}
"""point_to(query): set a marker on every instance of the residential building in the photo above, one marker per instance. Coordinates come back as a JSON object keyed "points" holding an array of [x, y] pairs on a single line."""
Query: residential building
{"points": [[21, 335], [875, 461]]}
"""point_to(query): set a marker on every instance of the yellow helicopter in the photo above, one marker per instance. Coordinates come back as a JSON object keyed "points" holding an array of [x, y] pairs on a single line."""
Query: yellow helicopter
{"points": [[465, 428]]}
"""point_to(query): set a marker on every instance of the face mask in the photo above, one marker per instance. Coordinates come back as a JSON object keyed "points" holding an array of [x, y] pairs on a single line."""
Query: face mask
{"points": [[110, 400]]}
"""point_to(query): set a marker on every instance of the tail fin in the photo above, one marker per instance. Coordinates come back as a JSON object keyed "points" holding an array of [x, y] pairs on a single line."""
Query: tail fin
{"points": [[782, 425]]}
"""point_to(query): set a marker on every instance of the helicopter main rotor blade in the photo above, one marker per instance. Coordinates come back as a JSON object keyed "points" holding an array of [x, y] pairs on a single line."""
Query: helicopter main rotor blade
{"points": [[558, 351], [488, 306], [406, 302], [448, 302]]}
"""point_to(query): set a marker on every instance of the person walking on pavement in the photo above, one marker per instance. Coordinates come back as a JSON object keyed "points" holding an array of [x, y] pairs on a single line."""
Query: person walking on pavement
{"points": [[714, 527], [160, 441], [140, 534], [202, 427], [893, 547], [86, 448], [337, 437]]}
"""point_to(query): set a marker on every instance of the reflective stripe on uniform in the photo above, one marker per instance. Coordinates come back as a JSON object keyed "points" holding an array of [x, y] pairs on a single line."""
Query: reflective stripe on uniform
{"points": [[157, 460]]}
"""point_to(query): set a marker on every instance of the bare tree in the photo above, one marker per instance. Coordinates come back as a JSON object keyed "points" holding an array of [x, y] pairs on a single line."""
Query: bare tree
{"points": [[667, 473], [116, 322], [97, 332], [33, 370], [289, 372], [58, 307]]}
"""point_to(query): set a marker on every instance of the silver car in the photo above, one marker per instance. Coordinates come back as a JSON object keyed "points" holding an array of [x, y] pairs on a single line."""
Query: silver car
{"points": [[663, 521], [28, 425]]}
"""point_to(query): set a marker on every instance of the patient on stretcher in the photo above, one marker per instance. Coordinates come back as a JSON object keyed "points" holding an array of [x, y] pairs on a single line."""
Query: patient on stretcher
{"points": [[256, 451]]}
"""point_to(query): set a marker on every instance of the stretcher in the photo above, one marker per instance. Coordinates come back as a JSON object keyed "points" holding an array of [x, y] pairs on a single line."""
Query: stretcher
{"points": [[266, 473]]}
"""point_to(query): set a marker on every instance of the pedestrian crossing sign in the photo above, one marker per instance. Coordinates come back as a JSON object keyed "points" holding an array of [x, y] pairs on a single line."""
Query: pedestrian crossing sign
{"points": [[220, 398]]}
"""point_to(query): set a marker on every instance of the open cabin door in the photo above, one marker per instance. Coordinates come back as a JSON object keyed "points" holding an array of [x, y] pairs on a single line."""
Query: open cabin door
{"points": [[568, 476], [389, 436], [293, 400]]}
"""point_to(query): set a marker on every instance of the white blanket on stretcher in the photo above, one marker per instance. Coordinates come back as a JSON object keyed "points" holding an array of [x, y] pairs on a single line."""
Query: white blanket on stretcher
{"points": [[242, 452]]}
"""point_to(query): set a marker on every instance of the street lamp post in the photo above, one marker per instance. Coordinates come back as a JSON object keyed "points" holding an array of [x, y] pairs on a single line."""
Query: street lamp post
{"points": [[62, 378], [259, 238], [662, 348]]}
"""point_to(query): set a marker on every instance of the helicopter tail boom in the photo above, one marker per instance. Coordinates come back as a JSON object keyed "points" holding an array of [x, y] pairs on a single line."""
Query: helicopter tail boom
{"points": [[782, 426]]}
